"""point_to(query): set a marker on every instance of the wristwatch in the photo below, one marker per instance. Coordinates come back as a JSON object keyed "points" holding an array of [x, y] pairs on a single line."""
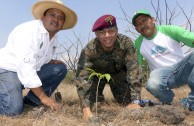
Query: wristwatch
{"points": [[136, 102]]}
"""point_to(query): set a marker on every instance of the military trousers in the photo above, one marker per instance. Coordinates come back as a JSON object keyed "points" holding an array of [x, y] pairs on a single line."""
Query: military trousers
{"points": [[118, 85]]}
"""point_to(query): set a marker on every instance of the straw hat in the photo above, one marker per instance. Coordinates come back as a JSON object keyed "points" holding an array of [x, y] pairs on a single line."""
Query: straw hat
{"points": [[40, 7]]}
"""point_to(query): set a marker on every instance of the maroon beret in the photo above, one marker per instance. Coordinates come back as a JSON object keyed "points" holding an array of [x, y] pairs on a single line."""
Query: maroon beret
{"points": [[104, 21]]}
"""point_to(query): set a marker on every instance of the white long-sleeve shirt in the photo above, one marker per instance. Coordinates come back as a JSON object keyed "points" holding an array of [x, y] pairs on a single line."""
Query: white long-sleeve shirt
{"points": [[27, 50]]}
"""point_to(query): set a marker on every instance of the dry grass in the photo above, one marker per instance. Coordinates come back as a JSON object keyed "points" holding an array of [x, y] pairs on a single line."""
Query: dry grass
{"points": [[110, 114]]}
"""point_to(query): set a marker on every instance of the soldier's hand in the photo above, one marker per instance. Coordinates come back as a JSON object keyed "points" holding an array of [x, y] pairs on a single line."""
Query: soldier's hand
{"points": [[133, 106], [87, 114]]}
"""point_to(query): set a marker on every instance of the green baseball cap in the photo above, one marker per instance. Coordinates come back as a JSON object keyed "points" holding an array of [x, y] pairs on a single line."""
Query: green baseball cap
{"points": [[140, 12]]}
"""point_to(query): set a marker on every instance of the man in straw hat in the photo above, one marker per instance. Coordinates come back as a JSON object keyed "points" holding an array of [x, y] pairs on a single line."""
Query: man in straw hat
{"points": [[27, 59]]}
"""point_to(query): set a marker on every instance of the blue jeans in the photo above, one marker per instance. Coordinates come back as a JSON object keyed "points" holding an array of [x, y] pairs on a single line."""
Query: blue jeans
{"points": [[11, 98], [162, 80]]}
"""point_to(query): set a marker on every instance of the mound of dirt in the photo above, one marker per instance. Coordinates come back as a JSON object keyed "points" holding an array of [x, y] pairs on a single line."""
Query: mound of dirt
{"points": [[169, 114]]}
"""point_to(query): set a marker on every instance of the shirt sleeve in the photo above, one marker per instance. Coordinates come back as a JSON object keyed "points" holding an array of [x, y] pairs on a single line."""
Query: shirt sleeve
{"points": [[138, 42], [83, 83], [178, 33], [25, 45], [133, 75]]}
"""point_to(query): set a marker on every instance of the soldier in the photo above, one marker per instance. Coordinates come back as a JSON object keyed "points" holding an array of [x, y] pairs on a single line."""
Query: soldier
{"points": [[110, 53]]}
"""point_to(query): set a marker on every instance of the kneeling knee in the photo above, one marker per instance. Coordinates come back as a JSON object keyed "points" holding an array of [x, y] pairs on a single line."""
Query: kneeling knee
{"points": [[61, 69], [151, 87], [14, 111]]}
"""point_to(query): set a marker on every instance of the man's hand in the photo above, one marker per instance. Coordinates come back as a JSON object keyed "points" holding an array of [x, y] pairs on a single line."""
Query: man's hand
{"points": [[133, 106], [39, 92], [56, 62], [50, 103], [87, 114]]}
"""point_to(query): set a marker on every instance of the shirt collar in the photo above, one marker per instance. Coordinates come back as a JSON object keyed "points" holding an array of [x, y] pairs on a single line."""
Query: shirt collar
{"points": [[43, 30]]}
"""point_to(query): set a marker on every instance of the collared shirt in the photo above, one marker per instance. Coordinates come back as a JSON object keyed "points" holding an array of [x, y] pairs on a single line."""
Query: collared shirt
{"points": [[27, 50]]}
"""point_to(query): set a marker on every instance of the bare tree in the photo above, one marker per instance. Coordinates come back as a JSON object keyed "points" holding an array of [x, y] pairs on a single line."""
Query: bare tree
{"points": [[70, 54]]}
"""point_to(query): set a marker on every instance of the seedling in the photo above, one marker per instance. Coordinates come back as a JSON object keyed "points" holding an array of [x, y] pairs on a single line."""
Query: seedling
{"points": [[99, 76]]}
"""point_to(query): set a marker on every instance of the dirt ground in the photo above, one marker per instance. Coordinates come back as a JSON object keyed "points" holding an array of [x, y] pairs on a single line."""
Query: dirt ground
{"points": [[109, 113]]}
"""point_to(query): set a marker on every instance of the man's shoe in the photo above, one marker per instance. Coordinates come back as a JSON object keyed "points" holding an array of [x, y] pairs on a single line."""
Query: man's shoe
{"points": [[27, 101], [184, 103]]}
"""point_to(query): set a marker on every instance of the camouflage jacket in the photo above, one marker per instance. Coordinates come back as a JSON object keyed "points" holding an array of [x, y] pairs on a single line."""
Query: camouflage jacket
{"points": [[122, 57]]}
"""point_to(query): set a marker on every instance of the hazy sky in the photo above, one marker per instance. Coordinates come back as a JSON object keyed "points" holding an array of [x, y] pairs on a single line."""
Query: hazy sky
{"points": [[14, 12]]}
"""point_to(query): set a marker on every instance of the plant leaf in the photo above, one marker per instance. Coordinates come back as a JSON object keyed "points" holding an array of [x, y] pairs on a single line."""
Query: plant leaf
{"points": [[98, 75], [108, 77], [92, 74], [90, 70]]}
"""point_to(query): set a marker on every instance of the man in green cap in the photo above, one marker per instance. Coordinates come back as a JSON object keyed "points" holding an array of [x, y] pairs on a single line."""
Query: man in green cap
{"points": [[161, 48]]}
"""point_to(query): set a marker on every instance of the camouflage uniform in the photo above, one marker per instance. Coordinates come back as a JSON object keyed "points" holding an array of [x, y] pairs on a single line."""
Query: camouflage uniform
{"points": [[120, 63]]}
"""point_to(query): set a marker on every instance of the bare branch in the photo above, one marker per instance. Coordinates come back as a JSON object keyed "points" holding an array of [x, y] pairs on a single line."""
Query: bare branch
{"points": [[188, 20]]}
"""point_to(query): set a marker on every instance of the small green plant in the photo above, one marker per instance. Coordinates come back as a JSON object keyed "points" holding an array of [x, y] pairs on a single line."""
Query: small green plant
{"points": [[99, 76]]}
